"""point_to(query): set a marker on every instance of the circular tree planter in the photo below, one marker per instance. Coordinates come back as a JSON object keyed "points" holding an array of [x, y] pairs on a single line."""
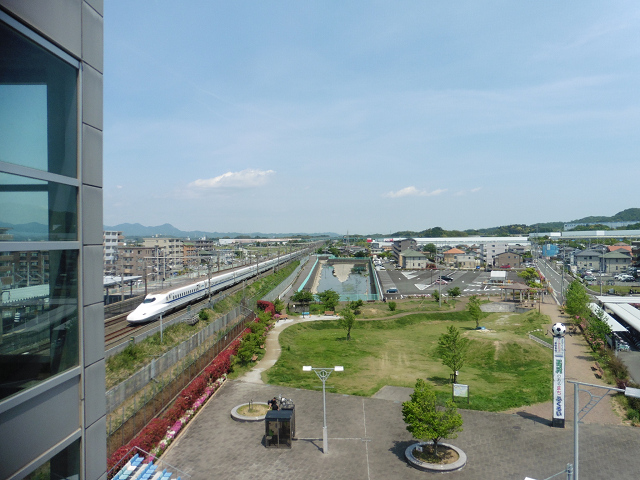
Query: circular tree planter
{"points": [[435, 467], [241, 412]]}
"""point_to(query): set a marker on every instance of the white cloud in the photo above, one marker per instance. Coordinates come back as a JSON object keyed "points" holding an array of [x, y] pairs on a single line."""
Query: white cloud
{"points": [[248, 178], [475, 190], [414, 192]]}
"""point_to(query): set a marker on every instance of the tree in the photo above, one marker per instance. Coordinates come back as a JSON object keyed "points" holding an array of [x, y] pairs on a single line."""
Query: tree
{"points": [[303, 296], [392, 306], [473, 307], [452, 349], [329, 299], [529, 275], [347, 321], [454, 292], [577, 300], [356, 305], [430, 247], [436, 295], [425, 421], [278, 305]]}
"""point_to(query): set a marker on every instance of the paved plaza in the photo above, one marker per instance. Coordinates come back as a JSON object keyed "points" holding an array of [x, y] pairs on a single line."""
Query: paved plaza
{"points": [[367, 439]]}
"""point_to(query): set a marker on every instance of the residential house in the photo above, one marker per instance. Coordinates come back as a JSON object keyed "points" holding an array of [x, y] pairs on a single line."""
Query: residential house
{"points": [[413, 260], [616, 261], [468, 261], [450, 255], [514, 260]]}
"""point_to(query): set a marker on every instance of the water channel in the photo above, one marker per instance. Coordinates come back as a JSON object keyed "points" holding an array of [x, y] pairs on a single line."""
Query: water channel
{"points": [[342, 279]]}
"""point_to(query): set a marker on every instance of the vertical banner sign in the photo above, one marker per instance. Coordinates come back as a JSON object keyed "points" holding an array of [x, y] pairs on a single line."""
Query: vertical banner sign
{"points": [[558, 381]]}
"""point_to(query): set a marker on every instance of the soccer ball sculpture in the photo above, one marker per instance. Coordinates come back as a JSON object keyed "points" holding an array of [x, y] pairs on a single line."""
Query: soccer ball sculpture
{"points": [[558, 329]]}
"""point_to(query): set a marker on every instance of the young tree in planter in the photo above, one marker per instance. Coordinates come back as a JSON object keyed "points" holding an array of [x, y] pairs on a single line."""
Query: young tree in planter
{"points": [[425, 421], [473, 307], [347, 320], [452, 349], [329, 299]]}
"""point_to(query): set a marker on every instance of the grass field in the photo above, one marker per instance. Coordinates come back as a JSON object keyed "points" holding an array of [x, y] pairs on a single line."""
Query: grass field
{"points": [[504, 368]]}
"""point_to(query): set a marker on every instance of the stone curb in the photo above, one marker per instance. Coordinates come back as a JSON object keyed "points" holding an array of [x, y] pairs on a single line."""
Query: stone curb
{"points": [[432, 467], [243, 418]]}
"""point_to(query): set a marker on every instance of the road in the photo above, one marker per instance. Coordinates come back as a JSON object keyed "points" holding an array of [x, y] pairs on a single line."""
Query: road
{"points": [[559, 281]]}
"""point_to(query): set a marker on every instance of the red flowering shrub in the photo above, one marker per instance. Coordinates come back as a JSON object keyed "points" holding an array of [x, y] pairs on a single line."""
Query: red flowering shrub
{"points": [[266, 306], [157, 428]]}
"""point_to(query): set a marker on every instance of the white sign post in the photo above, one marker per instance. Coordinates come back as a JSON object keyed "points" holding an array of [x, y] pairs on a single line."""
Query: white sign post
{"points": [[558, 381]]}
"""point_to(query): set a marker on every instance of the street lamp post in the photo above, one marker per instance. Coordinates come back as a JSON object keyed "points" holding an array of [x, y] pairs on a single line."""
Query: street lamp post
{"points": [[323, 374], [628, 392]]}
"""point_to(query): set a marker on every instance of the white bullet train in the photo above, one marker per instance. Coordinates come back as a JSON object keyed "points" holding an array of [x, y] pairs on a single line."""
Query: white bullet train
{"points": [[157, 304]]}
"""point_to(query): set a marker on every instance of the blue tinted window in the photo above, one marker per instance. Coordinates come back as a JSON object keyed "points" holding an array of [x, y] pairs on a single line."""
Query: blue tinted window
{"points": [[38, 106]]}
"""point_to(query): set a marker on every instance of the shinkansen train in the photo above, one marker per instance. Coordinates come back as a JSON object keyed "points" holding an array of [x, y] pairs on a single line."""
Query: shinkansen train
{"points": [[158, 304]]}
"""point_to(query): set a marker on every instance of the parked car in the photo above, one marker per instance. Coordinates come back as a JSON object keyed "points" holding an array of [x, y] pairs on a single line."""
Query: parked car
{"points": [[589, 278], [626, 278], [442, 282], [448, 278]]}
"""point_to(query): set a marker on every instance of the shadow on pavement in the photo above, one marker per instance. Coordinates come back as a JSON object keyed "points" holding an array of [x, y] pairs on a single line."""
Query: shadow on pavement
{"points": [[399, 448], [535, 418]]}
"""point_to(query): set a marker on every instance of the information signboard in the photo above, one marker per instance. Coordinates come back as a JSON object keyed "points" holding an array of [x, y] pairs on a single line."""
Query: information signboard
{"points": [[461, 390]]}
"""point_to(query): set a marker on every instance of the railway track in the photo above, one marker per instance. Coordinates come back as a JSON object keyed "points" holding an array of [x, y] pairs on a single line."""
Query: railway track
{"points": [[117, 330]]}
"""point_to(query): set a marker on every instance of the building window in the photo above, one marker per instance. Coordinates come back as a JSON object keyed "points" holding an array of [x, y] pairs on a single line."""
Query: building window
{"points": [[38, 106], [39, 186], [64, 465]]}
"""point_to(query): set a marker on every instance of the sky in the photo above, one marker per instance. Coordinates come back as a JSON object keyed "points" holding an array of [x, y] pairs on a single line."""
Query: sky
{"points": [[369, 117]]}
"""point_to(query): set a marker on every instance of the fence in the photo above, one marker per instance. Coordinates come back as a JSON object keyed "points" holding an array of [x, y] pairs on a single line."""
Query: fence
{"points": [[124, 425], [286, 283], [541, 342], [134, 402], [139, 380]]}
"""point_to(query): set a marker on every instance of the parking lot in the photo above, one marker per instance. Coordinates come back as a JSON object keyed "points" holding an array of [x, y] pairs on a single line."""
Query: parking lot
{"points": [[424, 282]]}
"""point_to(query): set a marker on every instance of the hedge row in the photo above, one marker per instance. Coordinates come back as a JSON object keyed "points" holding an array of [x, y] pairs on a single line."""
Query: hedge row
{"points": [[180, 412]]}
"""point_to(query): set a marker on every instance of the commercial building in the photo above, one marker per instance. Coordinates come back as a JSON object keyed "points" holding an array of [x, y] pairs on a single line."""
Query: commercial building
{"points": [[52, 368]]}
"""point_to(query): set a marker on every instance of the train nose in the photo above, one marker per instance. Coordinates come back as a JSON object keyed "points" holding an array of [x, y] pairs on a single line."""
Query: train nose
{"points": [[136, 316]]}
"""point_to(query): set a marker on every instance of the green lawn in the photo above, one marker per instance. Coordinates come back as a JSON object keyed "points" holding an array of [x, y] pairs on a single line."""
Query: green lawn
{"points": [[504, 368]]}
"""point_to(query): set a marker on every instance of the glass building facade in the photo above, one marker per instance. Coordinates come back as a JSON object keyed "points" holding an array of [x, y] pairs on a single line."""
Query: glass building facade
{"points": [[52, 415]]}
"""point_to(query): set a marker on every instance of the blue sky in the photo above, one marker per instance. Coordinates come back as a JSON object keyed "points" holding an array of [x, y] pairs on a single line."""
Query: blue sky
{"points": [[369, 117]]}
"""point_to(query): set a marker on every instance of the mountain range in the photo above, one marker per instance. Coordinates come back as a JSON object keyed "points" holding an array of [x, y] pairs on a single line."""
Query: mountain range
{"points": [[38, 231]]}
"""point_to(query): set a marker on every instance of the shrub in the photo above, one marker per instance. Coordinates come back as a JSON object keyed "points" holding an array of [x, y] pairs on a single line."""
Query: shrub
{"points": [[392, 306], [266, 307], [617, 368]]}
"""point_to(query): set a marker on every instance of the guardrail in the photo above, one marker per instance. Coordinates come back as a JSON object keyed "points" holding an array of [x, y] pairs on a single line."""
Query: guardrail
{"points": [[541, 342]]}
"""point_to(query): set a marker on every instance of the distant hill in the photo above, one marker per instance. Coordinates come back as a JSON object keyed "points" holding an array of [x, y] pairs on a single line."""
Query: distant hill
{"points": [[628, 215], [168, 230]]}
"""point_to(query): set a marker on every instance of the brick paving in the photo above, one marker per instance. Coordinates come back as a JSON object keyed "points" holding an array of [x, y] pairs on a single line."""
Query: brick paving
{"points": [[367, 439]]}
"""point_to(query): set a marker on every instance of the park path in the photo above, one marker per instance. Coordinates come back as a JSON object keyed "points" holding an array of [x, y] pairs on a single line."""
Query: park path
{"points": [[272, 346], [578, 362]]}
